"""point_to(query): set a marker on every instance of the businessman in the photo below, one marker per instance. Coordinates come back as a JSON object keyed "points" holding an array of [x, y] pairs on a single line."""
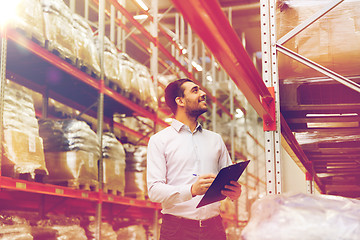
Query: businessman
{"points": [[182, 162]]}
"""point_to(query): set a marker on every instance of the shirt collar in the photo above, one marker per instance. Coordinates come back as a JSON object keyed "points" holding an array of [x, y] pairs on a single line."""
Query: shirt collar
{"points": [[177, 125]]}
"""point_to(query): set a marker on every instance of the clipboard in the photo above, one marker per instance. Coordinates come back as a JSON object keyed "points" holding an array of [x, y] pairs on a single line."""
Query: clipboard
{"points": [[226, 174]]}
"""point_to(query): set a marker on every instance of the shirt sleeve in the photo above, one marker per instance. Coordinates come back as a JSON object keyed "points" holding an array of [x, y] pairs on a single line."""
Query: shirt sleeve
{"points": [[158, 189]]}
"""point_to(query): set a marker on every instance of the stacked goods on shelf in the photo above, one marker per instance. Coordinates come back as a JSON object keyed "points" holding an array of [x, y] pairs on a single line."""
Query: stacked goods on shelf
{"points": [[132, 232], [86, 52], [141, 125], [111, 62], [146, 87], [14, 227], [71, 152], [127, 75], [59, 30], [303, 216], [22, 145], [331, 41], [107, 231], [29, 19], [65, 227], [135, 171], [113, 165]]}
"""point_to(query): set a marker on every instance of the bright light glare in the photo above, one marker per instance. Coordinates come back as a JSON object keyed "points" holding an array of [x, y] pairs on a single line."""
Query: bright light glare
{"points": [[197, 66], [142, 5], [8, 10], [209, 78], [238, 113], [140, 17]]}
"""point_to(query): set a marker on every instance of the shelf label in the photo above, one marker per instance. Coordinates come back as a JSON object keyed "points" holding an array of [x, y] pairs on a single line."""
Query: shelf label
{"points": [[59, 191], [84, 195], [20, 185], [110, 198]]}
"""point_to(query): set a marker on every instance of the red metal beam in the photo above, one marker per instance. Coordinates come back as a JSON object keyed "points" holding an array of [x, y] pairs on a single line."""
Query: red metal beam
{"points": [[209, 22]]}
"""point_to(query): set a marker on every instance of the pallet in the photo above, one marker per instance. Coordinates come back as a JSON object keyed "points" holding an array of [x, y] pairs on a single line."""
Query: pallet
{"points": [[79, 184], [80, 64], [56, 50], [39, 175], [38, 38], [114, 192], [136, 195]]}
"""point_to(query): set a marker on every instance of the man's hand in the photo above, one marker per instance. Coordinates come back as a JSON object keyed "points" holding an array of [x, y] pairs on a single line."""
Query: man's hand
{"points": [[202, 184], [232, 191]]}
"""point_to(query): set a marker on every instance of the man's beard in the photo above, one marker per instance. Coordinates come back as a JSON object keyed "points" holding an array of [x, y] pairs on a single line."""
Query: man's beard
{"points": [[196, 112]]}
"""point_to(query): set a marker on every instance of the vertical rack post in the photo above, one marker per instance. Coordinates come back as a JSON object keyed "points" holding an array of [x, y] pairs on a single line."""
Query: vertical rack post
{"points": [[2, 81], [271, 80], [100, 115], [154, 72]]}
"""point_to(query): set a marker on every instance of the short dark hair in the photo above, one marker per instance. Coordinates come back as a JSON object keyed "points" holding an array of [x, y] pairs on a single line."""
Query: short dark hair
{"points": [[174, 90]]}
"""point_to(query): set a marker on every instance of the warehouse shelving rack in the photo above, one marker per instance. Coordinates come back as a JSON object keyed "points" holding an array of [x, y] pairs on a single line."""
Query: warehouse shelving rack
{"points": [[74, 82]]}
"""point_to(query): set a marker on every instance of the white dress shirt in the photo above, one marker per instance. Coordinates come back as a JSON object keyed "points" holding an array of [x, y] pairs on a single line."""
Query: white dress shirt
{"points": [[174, 155]]}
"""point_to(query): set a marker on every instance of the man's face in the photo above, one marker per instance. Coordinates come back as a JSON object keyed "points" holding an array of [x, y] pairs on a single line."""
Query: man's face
{"points": [[194, 99]]}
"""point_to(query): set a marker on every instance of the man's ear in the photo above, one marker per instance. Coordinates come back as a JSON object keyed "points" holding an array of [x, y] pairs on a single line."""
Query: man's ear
{"points": [[179, 101]]}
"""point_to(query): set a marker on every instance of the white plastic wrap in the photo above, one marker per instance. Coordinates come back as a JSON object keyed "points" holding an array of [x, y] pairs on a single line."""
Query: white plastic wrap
{"points": [[304, 216]]}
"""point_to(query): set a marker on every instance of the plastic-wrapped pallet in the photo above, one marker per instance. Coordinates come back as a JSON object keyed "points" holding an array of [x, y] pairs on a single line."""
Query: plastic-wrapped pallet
{"points": [[146, 87], [126, 73], [107, 231], [67, 228], [86, 52], [135, 174], [23, 148], [111, 61], [331, 41], [133, 232], [13, 227], [303, 216], [29, 18], [113, 165], [59, 30], [71, 152]]}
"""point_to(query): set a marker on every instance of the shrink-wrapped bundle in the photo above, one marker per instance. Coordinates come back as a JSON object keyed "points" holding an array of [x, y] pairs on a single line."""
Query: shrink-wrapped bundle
{"points": [[71, 152], [303, 216], [14, 227], [107, 231], [127, 74], [133, 232], [59, 30], [86, 52], [23, 148], [135, 173], [67, 228], [111, 60], [113, 164], [146, 87], [29, 18], [331, 41]]}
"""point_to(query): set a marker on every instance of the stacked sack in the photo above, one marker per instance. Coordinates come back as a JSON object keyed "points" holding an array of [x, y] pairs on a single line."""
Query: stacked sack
{"points": [[87, 54], [113, 164], [146, 89], [23, 147], [29, 18], [135, 171], [59, 28], [72, 151]]}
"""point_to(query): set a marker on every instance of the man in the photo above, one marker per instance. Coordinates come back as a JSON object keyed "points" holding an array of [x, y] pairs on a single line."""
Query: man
{"points": [[182, 162]]}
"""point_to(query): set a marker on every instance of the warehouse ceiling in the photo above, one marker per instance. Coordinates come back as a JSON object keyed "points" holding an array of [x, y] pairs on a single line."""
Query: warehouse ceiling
{"points": [[323, 114]]}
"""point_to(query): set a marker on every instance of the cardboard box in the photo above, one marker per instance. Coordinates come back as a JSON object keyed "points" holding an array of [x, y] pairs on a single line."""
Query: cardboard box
{"points": [[23, 153]]}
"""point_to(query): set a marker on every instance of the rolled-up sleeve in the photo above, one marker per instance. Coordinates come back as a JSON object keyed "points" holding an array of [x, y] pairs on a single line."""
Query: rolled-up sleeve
{"points": [[158, 189]]}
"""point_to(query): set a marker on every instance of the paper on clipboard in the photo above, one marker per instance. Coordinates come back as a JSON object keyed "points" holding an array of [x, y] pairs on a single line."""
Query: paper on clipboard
{"points": [[226, 174]]}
